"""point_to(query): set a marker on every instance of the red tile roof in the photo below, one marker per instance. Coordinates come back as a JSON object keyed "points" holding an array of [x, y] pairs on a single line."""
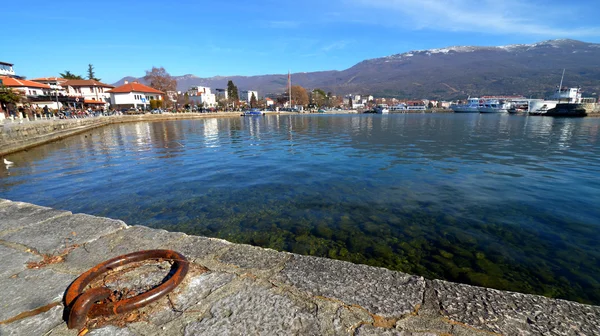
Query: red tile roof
{"points": [[13, 82], [134, 87], [85, 82], [49, 79], [86, 101]]}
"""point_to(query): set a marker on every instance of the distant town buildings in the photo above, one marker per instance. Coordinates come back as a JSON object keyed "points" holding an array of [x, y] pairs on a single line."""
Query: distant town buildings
{"points": [[221, 94], [202, 96], [246, 95], [58, 93]]}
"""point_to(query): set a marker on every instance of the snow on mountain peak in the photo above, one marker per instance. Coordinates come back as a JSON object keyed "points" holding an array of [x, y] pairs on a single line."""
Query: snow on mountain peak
{"points": [[464, 49]]}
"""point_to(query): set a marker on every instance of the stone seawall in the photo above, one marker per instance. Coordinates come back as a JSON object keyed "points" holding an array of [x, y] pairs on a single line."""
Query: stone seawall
{"points": [[15, 137], [234, 289]]}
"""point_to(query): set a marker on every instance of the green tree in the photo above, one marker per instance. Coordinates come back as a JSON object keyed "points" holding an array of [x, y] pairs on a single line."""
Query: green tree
{"points": [[319, 97], [253, 101], [232, 93], [69, 75], [8, 95], [91, 74]]}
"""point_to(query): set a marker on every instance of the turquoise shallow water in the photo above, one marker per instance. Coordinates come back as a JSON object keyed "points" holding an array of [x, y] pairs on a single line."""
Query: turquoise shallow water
{"points": [[502, 201]]}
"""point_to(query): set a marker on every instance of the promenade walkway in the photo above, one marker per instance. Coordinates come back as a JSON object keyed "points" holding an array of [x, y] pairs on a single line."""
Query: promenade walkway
{"points": [[234, 289]]}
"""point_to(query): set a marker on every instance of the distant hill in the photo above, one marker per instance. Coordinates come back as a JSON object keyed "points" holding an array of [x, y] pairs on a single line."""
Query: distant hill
{"points": [[532, 70]]}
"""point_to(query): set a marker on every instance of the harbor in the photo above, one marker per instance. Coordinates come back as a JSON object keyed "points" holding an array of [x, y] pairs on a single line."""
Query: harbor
{"points": [[431, 194]]}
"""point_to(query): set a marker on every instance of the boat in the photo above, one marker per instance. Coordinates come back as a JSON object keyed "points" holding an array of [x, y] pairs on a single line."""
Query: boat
{"points": [[252, 112], [519, 107], [567, 110], [566, 102], [381, 109], [494, 106], [472, 106], [540, 106]]}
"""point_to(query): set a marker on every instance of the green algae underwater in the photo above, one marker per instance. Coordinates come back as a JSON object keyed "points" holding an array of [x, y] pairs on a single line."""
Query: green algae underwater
{"points": [[416, 239]]}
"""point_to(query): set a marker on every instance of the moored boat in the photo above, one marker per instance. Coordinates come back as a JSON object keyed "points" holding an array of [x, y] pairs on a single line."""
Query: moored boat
{"points": [[494, 106], [472, 106], [566, 102], [382, 109], [252, 112]]}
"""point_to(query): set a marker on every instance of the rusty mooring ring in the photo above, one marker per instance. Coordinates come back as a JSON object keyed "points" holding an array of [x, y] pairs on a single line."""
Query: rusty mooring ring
{"points": [[82, 305]]}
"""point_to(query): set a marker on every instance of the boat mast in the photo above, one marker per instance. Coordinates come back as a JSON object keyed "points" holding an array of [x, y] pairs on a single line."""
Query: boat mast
{"points": [[290, 88], [561, 80]]}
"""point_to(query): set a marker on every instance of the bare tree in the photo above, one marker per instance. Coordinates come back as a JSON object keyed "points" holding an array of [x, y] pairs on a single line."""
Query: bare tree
{"points": [[160, 79], [299, 95]]}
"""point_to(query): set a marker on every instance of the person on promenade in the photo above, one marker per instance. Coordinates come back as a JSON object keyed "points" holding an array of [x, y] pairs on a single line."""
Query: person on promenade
{"points": [[46, 112]]}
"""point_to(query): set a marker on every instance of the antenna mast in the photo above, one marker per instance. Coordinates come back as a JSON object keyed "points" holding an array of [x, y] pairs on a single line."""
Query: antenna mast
{"points": [[561, 80]]}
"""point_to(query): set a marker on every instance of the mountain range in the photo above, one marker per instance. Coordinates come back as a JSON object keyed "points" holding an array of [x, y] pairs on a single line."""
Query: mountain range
{"points": [[532, 70]]}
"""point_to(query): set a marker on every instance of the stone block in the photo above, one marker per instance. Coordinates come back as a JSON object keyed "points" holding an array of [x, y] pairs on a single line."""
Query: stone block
{"points": [[380, 291], [512, 313], [14, 261], [131, 239], [252, 258], [54, 235], [39, 324], [257, 310], [30, 290], [15, 216]]}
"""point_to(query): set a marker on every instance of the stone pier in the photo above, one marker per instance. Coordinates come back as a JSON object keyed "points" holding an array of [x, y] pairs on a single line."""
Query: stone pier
{"points": [[234, 289]]}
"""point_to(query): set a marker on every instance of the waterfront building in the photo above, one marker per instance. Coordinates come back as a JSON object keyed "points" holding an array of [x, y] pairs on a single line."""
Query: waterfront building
{"points": [[134, 95], [246, 95], [202, 96], [55, 84], [88, 92], [26, 87], [269, 102], [6, 69], [221, 94]]}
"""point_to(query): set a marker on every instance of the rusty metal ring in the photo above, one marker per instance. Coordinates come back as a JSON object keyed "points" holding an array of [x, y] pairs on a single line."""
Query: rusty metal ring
{"points": [[82, 305]]}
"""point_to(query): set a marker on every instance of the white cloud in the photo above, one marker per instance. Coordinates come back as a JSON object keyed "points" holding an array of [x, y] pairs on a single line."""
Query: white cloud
{"points": [[336, 45], [526, 17]]}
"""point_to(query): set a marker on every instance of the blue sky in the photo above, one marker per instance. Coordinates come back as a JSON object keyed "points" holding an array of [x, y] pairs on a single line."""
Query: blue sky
{"points": [[210, 38]]}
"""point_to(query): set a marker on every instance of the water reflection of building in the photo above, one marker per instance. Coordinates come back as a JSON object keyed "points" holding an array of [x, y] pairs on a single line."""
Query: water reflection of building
{"points": [[211, 133]]}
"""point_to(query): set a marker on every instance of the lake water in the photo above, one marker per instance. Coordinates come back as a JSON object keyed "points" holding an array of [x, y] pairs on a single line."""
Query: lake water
{"points": [[509, 202]]}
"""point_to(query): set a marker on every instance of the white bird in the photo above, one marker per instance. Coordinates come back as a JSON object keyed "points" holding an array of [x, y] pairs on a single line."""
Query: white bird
{"points": [[8, 163]]}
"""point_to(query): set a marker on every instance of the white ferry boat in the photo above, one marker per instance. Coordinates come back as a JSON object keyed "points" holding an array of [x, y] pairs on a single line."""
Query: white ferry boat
{"points": [[561, 95], [494, 106], [472, 106]]}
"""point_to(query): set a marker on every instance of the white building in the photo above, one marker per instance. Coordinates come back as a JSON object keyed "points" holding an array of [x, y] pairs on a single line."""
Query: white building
{"points": [[202, 96], [247, 95], [269, 102], [221, 94], [31, 90], [134, 95], [6, 69], [27, 87], [88, 91], [55, 84]]}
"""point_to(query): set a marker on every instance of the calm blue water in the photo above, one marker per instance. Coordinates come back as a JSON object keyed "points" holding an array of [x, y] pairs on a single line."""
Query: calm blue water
{"points": [[509, 202]]}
